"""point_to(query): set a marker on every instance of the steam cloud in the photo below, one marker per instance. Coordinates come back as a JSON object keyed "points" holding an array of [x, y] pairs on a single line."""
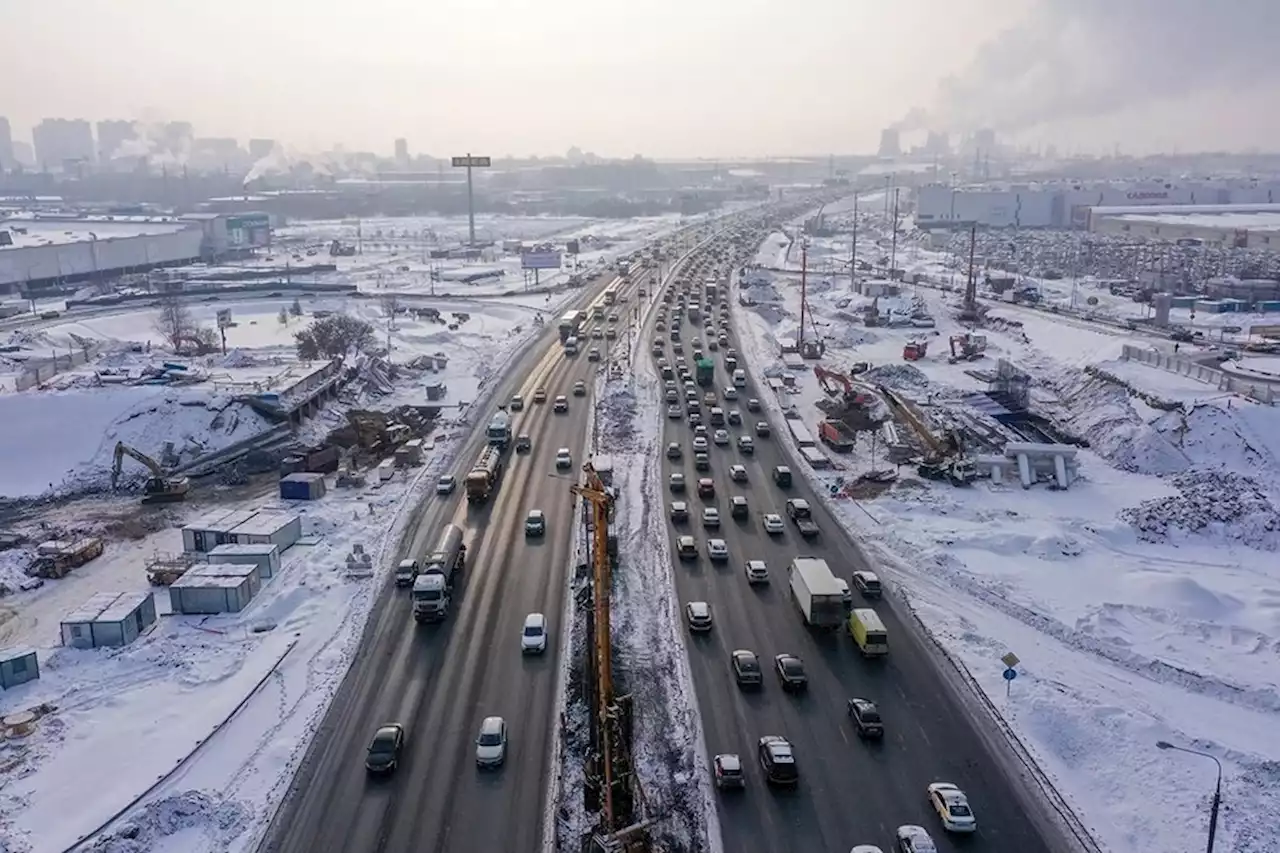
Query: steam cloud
{"points": [[1077, 59]]}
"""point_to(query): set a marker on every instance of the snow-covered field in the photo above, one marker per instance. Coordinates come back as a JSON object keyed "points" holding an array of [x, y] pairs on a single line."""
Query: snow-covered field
{"points": [[1143, 602], [194, 730]]}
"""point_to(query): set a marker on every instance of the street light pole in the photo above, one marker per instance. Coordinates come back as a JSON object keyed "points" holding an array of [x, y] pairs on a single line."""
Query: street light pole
{"points": [[1217, 788]]}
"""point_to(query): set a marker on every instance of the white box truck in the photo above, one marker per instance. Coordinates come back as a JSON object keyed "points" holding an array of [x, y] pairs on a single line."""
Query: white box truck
{"points": [[816, 592]]}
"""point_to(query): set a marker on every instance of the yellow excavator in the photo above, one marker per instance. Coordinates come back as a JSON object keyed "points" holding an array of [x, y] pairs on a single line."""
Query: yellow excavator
{"points": [[945, 458], [160, 487]]}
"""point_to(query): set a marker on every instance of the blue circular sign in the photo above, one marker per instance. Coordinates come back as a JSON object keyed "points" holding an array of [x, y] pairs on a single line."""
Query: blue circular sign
{"points": [[1010, 674]]}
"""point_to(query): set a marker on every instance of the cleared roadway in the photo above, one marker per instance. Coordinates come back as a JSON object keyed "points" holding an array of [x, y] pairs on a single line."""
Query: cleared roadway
{"points": [[440, 680], [850, 792]]}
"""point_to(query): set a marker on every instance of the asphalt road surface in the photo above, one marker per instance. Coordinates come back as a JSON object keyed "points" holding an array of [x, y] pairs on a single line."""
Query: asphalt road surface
{"points": [[850, 792], [440, 680]]}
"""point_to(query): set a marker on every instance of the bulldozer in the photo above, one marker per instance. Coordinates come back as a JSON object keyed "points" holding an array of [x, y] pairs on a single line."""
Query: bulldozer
{"points": [[915, 350], [160, 487], [967, 347]]}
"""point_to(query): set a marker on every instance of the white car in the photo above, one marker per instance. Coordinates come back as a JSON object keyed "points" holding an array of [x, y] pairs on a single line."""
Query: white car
{"points": [[721, 436], [564, 459], [952, 807], [746, 444], [915, 839], [738, 473], [699, 444], [865, 848], [491, 743], [757, 572], [699, 615], [674, 412], [446, 484], [773, 524], [731, 393], [717, 550], [710, 517], [533, 639]]}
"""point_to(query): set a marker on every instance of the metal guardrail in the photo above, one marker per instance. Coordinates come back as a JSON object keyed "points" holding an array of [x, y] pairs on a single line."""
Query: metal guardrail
{"points": [[1261, 390]]}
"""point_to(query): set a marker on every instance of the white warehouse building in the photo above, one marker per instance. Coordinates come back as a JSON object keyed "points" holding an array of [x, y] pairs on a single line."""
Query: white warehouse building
{"points": [[1241, 226], [37, 250], [1067, 204]]}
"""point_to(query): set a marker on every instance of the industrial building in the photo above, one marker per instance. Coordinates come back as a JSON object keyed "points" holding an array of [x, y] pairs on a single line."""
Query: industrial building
{"points": [[1067, 204], [40, 250], [1255, 226]]}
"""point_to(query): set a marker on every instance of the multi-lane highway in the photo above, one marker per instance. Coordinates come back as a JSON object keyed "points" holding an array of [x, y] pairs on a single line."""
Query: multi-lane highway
{"points": [[441, 680], [850, 792]]}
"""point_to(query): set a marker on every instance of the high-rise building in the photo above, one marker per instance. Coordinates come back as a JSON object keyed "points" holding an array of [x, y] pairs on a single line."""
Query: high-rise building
{"points": [[402, 152], [890, 145], [112, 135], [60, 142], [259, 148], [7, 160], [176, 137], [937, 144]]}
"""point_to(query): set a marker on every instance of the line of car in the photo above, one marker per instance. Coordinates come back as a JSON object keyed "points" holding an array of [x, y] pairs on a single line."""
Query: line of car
{"points": [[775, 753]]}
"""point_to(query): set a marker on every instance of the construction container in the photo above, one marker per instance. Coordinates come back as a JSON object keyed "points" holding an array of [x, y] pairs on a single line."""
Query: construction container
{"points": [[386, 470], [302, 487], [109, 619], [412, 450], [281, 529], [266, 557], [246, 569], [18, 666], [122, 622], [1269, 305], [198, 594], [1183, 302], [1209, 306], [205, 534]]}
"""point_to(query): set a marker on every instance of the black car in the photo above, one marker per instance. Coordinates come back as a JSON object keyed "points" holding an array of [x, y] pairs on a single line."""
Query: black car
{"points": [[384, 750], [746, 667], [866, 718], [791, 672], [778, 761], [738, 507]]}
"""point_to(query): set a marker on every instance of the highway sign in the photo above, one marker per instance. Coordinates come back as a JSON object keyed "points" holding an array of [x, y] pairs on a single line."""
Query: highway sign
{"points": [[1010, 674], [1010, 660], [469, 162], [224, 318]]}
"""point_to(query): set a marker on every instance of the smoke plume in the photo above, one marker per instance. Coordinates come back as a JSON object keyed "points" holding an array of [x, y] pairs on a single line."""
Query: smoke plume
{"points": [[1079, 59]]}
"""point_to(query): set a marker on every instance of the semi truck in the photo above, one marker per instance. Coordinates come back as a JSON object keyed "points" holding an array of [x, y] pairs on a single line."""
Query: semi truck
{"points": [[482, 481], [499, 431], [704, 371], [816, 592], [433, 586]]}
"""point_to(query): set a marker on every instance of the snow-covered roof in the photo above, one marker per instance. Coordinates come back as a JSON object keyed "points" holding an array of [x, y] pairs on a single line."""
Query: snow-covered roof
{"points": [[123, 607], [93, 608], [62, 232]]}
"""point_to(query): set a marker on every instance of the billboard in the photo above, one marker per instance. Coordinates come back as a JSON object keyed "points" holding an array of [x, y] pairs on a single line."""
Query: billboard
{"points": [[469, 162], [540, 261]]}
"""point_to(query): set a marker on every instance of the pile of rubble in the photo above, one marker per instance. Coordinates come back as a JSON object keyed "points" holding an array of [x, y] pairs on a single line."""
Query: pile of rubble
{"points": [[902, 376], [1211, 504]]}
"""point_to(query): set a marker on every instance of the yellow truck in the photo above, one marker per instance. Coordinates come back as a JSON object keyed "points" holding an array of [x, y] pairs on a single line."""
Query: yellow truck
{"points": [[868, 632]]}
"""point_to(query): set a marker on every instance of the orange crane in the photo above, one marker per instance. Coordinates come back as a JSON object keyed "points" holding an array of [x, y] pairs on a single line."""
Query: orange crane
{"points": [[620, 786]]}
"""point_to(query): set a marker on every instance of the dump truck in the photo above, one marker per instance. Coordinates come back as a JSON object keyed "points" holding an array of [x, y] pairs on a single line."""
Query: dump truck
{"points": [[704, 371], [802, 516], [56, 559], [433, 586], [816, 592], [499, 431], [483, 479], [835, 435]]}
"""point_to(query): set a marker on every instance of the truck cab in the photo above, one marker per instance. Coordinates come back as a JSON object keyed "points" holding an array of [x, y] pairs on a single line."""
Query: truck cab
{"points": [[430, 597]]}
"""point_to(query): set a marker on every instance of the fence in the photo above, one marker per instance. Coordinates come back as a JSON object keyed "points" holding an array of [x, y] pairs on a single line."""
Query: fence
{"points": [[1260, 391], [33, 374]]}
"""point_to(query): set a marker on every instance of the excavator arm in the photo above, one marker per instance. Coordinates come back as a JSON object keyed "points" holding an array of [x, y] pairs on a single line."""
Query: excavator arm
{"points": [[161, 486], [833, 383], [123, 450]]}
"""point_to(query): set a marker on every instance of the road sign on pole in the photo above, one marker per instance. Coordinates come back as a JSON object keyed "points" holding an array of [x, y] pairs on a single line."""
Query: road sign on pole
{"points": [[469, 162]]}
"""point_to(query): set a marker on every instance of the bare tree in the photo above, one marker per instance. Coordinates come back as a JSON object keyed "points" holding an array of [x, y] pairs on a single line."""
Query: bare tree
{"points": [[175, 324]]}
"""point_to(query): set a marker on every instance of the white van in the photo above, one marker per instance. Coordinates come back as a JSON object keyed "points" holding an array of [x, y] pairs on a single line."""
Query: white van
{"points": [[571, 346]]}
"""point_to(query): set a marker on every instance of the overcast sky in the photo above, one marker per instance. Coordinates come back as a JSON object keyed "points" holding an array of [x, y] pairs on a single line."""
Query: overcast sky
{"points": [[662, 77]]}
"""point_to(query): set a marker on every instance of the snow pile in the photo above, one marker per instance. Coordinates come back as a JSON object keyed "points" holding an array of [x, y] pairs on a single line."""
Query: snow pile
{"points": [[220, 820], [13, 569], [238, 358], [1212, 504]]}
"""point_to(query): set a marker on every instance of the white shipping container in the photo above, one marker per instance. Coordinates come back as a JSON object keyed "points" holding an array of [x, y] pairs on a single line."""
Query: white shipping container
{"points": [[386, 469]]}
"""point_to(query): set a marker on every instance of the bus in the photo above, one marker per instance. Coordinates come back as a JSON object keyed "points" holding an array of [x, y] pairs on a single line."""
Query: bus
{"points": [[570, 325], [611, 295]]}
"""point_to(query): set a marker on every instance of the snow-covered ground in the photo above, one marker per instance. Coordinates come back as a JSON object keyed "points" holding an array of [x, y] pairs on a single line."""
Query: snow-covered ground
{"points": [[196, 728], [1144, 602]]}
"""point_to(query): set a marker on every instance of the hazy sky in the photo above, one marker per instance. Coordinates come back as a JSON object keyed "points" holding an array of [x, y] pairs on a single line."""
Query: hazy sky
{"points": [[662, 77]]}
